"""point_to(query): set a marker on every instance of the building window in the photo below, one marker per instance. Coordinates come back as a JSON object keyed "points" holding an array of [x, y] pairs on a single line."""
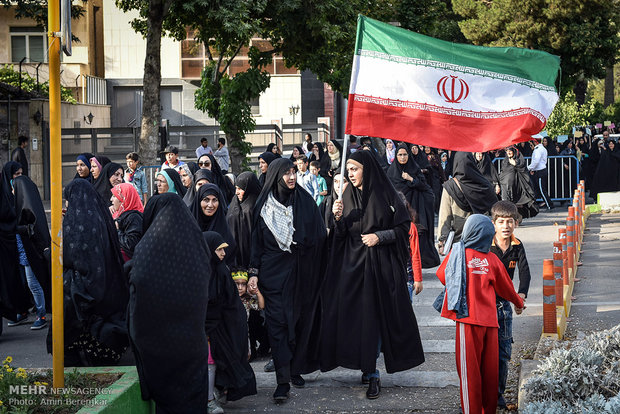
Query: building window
{"points": [[255, 108], [29, 43]]}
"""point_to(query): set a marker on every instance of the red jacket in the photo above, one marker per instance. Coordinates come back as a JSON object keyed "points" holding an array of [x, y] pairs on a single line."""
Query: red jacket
{"points": [[414, 248], [486, 277]]}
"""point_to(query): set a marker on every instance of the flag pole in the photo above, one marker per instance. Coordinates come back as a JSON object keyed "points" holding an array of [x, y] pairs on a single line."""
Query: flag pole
{"points": [[342, 165]]}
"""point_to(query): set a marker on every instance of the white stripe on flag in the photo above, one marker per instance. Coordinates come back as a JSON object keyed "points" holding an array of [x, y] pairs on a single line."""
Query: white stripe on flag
{"points": [[415, 83]]}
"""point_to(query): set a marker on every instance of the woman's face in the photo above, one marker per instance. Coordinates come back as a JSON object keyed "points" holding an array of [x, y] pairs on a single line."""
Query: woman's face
{"points": [[510, 153], [116, 203], [545, 141], [209, 205], [389, 145], [94, 169], [239, 193], [262, 165], [355, 173], [444, 157], [186, 179], [82, 169], [204, 162], [295, 152], [274, 149], [162, 184], [117, 177], [427, 150], [338, 182], [315, 150], [612, 145], [415, 149], [201, 182], [478, 156], [220, 253], [290, 178], [402, 156], [18, 173], [331, 148]]}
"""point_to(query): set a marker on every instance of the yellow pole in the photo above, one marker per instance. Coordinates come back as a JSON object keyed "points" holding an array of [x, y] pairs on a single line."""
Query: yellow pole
{"points": [[53, 24]]}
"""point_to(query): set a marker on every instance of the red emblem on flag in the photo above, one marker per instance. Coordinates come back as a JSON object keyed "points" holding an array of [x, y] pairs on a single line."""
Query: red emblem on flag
{"points": [[452, 89]]}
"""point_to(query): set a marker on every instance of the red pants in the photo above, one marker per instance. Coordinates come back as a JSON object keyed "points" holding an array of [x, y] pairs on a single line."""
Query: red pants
{"points": [[477, 362]]}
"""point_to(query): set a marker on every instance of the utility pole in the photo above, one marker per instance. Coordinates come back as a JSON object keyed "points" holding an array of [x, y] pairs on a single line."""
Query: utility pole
{"points": [[53, 24]]}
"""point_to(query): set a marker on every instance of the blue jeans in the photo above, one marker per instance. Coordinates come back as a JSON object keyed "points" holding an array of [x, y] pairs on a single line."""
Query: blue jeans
{"points": [[504, 335], [376, 373], [37, 291]]}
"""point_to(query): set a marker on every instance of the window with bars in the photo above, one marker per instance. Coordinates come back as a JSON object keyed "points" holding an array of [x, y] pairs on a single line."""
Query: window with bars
{"points": [[29, 43]]}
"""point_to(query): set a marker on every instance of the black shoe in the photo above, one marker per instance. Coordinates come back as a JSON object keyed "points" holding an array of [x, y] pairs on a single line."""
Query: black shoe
{"points": [[298, 381], [365, 379], [281, 393], [270, 366], [374, 388]]}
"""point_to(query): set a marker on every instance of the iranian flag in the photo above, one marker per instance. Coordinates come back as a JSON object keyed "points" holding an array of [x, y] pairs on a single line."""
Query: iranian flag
{"points": [[414, 88]]}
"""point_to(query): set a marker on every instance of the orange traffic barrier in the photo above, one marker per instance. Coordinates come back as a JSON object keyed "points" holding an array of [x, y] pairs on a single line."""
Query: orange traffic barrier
{"points": [[562, 232], [570, 238], [578, 223], [558, 269], [550, 325]]}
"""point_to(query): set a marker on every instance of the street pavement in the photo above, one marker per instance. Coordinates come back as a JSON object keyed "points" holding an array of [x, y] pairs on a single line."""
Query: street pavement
{"points": [[433, 386]]}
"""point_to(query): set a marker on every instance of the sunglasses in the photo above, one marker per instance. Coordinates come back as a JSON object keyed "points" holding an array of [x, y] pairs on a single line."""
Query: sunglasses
{"points": [[204, 164]]}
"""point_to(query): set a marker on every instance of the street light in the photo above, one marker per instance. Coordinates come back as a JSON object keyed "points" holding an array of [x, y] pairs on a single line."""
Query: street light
{"points": [[293, 110]]}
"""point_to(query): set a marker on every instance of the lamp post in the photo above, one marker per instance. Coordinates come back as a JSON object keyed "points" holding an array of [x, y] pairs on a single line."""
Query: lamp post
{"points": [[293, 110]]}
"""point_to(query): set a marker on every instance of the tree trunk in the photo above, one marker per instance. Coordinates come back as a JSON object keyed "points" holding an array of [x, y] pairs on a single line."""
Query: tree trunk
{"points": [[580, 91], [609, 87], [151, 83], [236, 155]]}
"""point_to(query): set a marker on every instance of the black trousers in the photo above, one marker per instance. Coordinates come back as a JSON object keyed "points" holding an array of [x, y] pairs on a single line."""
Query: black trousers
{"points": [[539, 184]]}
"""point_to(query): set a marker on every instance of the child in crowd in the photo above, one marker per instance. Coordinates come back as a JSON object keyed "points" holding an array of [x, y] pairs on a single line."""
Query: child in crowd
{"points": [[250, 302], [315, 168], [511, 252], [473, 276], [135, 176], [414, 261], [306, 180]]}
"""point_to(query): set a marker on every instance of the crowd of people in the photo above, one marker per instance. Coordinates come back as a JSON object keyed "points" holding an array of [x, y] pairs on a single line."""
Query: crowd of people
{"points": [[300, 263]]}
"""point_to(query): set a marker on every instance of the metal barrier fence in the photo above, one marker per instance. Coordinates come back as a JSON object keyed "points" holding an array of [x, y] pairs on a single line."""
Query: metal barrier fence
{"points": [[562, 176]]}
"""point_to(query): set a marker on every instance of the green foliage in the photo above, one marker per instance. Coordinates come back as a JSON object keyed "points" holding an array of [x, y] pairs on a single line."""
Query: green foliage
{"points": [[227, 99], [567, 113], [433, 18], [584, 33], [10, 76]]}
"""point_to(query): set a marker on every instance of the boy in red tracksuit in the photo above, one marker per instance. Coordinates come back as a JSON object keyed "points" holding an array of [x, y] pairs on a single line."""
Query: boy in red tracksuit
{"points": [[473, 276]]}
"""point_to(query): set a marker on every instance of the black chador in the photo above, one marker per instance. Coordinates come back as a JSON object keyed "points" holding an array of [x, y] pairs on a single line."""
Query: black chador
{"points": [[421, 198], [95, 289], [473, 192], [240, 217], [227, 327], [168, 307], [515, 183], [364, 296], [287, 247], [34, 231]]}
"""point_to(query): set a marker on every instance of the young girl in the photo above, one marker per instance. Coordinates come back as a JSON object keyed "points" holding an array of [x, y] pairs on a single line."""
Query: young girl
{"points": [[250, 302]]}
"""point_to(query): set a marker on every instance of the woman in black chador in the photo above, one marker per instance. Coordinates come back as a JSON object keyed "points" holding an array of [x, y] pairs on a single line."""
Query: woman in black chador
{"points": [[515, 183], [95, 289], [168, 307], [240, 216], [406, 176], [227, 327], [210, 211], [365, 298], [287, 247]]}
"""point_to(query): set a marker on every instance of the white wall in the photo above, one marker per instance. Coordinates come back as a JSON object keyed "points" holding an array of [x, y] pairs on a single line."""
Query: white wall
{"points": [[283, 91], [125, 49]]}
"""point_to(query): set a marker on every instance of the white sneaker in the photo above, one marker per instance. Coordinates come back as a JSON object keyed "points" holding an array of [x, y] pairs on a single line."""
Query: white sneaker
{"points": [[214, 407]]}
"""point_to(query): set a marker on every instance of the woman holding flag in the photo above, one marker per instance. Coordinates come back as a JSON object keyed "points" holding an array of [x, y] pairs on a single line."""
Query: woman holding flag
{"points": [[366, 307]]}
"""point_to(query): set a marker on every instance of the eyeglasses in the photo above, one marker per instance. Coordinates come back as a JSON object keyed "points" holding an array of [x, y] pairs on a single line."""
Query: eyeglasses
{"points": [[204, 164]]}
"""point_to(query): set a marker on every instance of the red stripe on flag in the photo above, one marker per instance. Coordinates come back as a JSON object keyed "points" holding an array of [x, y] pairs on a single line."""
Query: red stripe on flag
{"points": [[438, 130]]}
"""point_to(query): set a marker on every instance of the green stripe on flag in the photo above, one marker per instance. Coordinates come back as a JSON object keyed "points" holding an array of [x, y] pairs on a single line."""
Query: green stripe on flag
{"points": [[383, 38]]}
